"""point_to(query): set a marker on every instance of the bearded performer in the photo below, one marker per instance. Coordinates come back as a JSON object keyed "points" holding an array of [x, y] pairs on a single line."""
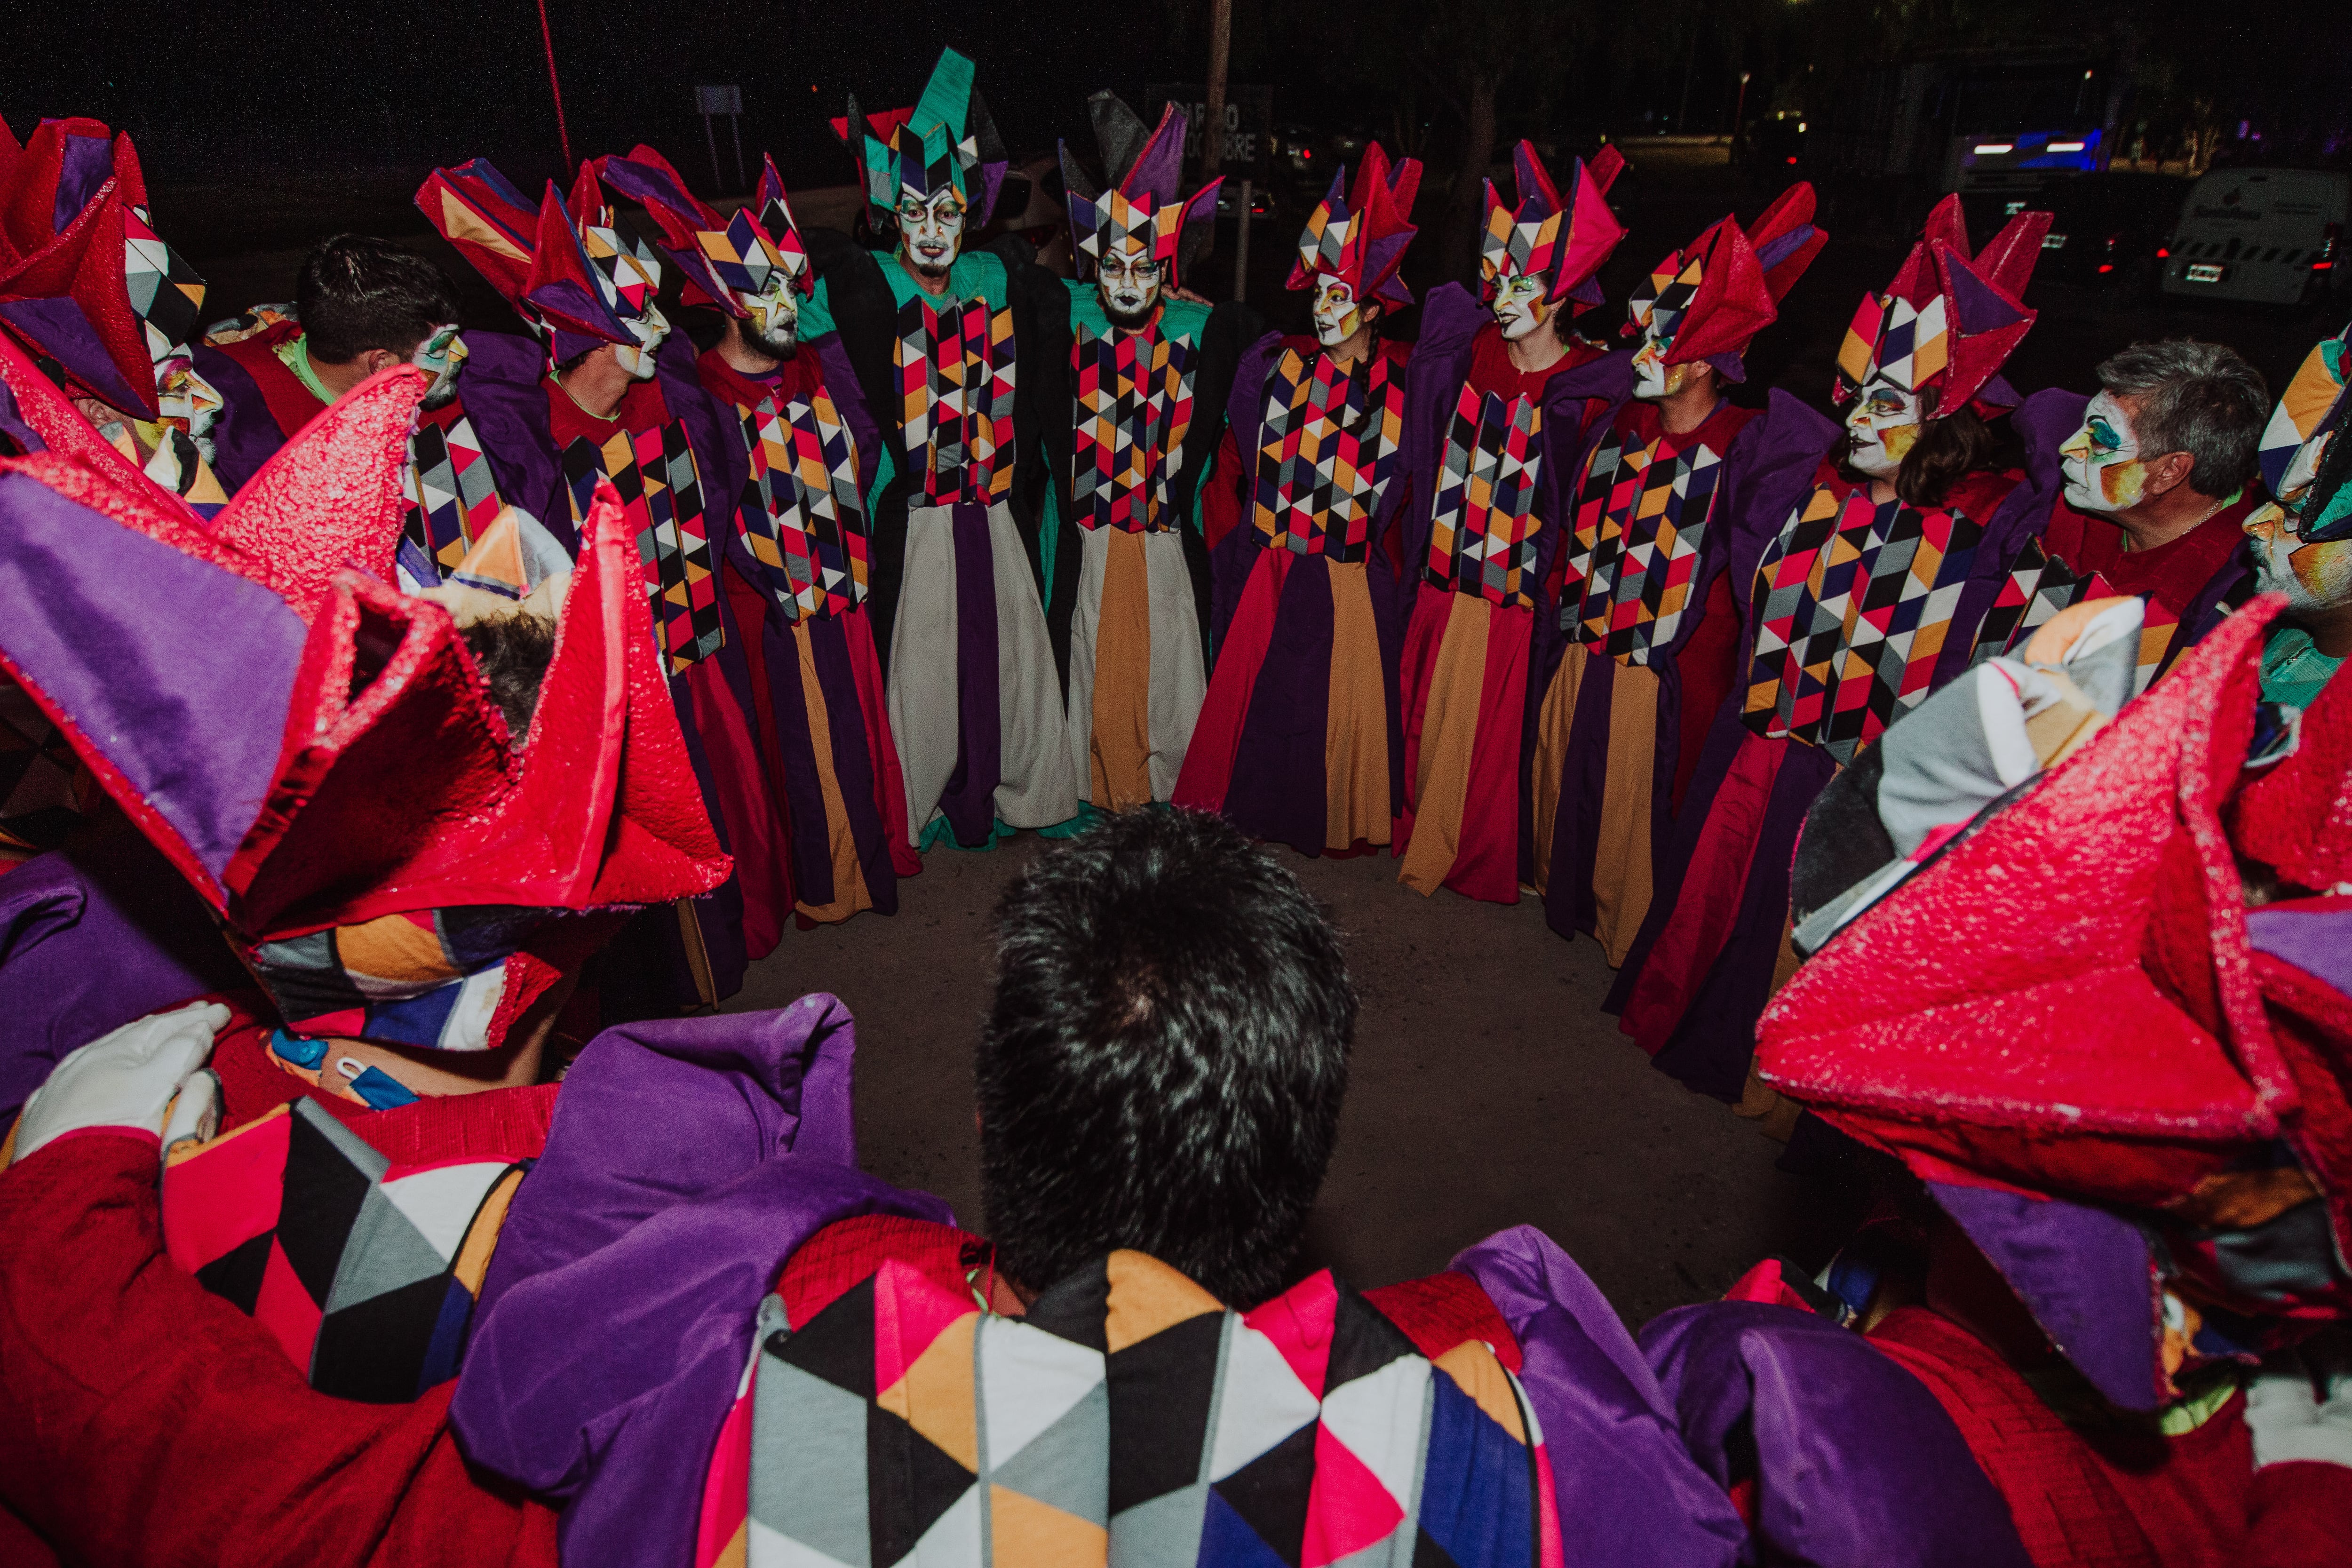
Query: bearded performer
{"points": [[799, 555], [1683, 482], [2098, 1006], [620, 401], [931, 333], [1298, 739], [1870, 597], [464, 810], [1128, 435], [1501, 406], [102, 305]]}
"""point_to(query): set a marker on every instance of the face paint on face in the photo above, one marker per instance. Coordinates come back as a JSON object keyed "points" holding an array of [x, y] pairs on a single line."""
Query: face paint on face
{"points": [[1520, 305], [2315, 574], [1129, 286], [931, 229], [441, 356], [1881, 427], [2101, 460], [1337, 316], [774, 322], [637, 358], [1654, 378]]}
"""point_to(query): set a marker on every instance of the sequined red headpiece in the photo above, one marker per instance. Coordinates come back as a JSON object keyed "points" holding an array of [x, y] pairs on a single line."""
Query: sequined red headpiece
{"points": [[318, 754]]}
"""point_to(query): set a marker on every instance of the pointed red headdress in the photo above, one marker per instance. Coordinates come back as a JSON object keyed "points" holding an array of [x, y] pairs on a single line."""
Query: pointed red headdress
{"points": [[1948, 320], [319, 756], [1359, 234], [2085, 1021], [86, 284], [1708, 299], [1567, 238]]}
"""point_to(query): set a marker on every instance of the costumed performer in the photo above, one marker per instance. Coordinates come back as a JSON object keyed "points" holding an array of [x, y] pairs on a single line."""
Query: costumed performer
{"points": [[1502, 404], [620, 401], [1299, 740], [932, 333], [1683, 482], [799, 559], [1131, 413]]}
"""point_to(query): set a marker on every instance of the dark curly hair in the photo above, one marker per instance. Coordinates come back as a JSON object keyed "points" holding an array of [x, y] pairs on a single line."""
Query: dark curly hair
{"points": [[1162, 1066]]}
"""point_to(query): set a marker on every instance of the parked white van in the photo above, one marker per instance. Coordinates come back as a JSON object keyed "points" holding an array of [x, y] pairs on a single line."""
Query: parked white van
{"points": [[2273, 237]]}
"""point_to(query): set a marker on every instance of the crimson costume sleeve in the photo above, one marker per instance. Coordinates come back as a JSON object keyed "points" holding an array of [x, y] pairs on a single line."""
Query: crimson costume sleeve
{"points": [[146, 1422]]}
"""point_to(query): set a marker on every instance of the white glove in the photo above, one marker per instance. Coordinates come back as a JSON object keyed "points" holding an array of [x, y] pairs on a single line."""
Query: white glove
{"points": [[2300, 1409], [128, 1078]]}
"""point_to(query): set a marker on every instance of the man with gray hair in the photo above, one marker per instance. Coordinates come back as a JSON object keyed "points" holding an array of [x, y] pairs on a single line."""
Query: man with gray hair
{"points": [[2160, 475]]}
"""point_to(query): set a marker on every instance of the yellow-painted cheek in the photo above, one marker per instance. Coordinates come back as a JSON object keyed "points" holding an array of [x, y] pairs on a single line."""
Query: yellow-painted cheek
{"points": [[2324, 570], [2122, 483], [1899, 440]]}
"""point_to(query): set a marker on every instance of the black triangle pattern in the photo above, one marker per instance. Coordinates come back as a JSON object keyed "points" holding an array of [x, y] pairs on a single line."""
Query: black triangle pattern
{"points": [[910, 1481], [1270, 1493]]}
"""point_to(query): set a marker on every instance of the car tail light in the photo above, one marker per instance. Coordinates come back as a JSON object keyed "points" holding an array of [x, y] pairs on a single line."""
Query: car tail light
{"points": [[2164, 253], [1788, 159], [2330, 240]]}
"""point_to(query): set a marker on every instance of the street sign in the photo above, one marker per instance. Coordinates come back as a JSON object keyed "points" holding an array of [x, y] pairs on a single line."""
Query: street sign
{"points": [[1249, 120]]}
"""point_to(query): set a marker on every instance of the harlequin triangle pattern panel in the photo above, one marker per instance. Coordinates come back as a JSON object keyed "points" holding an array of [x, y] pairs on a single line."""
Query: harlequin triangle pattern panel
{"points": [[955, 386], [1127, 1418], [1327, 448], [1852, 607], [1134, 394], [1640, 522], [1483, 540], [365, 1272], [803, 520], [451, 492], [661, 491], [2038, 586]]}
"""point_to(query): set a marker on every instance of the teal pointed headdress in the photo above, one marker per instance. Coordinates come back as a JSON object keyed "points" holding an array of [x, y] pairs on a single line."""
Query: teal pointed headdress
{"points": [[944, 140]]}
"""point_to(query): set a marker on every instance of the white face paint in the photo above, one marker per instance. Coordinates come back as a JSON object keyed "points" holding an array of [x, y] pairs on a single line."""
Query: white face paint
{"points": [[649, 329], [1652, 377], [1884, 422], [1129, 287], [2101, 460], [1337, 316], [773, 324], [931, 227], [1519, 307]]}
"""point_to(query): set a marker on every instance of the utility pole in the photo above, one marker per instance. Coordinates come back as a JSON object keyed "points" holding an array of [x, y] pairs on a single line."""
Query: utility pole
{"points": [[1213, 134]]}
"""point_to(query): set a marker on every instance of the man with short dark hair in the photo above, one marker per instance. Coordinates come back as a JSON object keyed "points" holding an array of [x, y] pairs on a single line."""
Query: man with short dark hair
{"points": [[360, 304], [1129, 999]]}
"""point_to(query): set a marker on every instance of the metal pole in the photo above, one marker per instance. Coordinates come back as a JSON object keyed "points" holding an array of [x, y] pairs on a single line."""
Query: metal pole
{"points": [[1739, 116], [547, 37], [1241, 246], [712, 138], [735, 128], [1213, 134]]}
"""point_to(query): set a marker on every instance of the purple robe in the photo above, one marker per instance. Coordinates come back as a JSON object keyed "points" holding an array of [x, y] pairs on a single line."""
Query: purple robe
{"points": [[1855, 1460], [92, 938]]}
